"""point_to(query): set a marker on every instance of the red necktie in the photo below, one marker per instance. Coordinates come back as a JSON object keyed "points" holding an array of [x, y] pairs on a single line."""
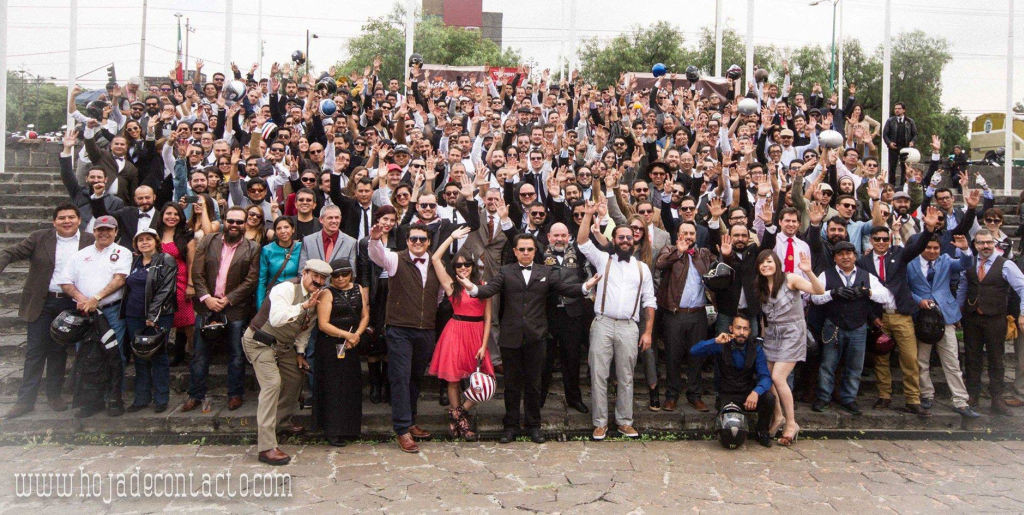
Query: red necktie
{"points": [[881, 268], [981, 271], [788, 267]]}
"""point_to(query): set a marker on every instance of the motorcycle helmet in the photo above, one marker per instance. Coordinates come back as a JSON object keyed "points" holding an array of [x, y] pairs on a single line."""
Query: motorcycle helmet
{"points": [[95, 108], [929, 326], [719, 277], [326, 86], [148, 342], [830, 139], [328, 107], [481, 386], [298, 57], [658, 69], [215, 328], [70, 327], [734, 72], [269, 131], [234, 92], [748, 106], [415, 60], [910, 155], [732, 426], [881, 343], [692, 73]]}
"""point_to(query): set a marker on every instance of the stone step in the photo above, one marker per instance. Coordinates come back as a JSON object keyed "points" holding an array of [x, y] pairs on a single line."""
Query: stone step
{"points": [[22, 227], [15, 274], [32, 175], [49, 188], [29, 207]]}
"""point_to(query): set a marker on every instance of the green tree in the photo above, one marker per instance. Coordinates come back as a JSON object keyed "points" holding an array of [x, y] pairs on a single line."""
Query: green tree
{"points": [[917, 63], [636, 51], [32, 100], [437, 43]]}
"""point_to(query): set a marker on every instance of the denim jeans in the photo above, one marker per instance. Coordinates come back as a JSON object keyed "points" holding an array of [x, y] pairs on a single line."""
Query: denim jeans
{"points": [[850, 347], [113, 316], [409, 352], [200, 366], [152, 376]]}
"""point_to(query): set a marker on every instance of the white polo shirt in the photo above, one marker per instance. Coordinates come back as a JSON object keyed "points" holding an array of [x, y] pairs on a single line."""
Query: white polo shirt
{"points": [[91, 270]]}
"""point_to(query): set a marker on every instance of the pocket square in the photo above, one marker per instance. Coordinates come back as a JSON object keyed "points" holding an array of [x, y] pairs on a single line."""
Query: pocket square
{"points": [[543, 279]]}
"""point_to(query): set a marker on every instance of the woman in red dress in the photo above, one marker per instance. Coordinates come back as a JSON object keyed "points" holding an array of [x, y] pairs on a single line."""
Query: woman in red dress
{"points": [[176, 240], [463, 342]]}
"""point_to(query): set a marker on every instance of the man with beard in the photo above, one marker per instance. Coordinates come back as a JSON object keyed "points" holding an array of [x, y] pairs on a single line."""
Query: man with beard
{"points": [[614, 331], [439, 228], [741, 297], [95, 188], [224, 274], [122, 176], [567, 318], [189, 179], [131, 220]]}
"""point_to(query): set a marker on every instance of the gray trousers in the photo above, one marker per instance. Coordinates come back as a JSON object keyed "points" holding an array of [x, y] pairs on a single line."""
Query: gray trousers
{"points": [[949, 356], [619, 339], [1018, 376]]}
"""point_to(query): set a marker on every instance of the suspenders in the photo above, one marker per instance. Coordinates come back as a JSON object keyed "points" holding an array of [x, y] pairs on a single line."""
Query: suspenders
{"points": [[604, 293]]}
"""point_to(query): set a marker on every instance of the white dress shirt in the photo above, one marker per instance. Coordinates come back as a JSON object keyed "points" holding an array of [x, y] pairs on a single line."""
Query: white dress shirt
{"points": [[66, 247], [145, 221], [624, 280], [879, 293]]}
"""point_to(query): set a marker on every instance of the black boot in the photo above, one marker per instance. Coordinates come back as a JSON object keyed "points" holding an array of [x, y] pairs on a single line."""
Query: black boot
{"points": [[376, 381]]}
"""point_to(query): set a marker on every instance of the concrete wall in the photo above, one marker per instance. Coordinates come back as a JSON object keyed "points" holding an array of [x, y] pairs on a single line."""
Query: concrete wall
{"points": [[33, 153]]}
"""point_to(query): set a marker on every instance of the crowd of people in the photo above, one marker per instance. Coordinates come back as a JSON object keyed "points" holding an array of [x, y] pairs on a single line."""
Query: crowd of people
{"points": [[307, 224]]}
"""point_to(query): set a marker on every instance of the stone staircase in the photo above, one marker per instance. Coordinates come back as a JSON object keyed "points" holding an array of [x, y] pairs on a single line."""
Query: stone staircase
{"points": [[29, 189]]}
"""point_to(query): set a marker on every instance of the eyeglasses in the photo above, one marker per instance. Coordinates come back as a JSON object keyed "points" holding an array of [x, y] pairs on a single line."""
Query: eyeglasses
{"points": [[688, 208], [418, 239], [197, 129], [308, 179], [583, 174], [636, 228], [619, 144], [737, 218], [165, 89], [195, 153], [826, 193], [462, 264], [254, 215], [401, 195], [233, 221], [871, 165], [624, 237], [311, 151], [880, 239], [525, 249], [578, 215], [641, 190], [304, 200], [993, 220], [359, 143], [257, 189], [277, 149], [645, 211], [538, 214], [415, 165], [847, 205], [984, 243], [426, 205], [534, 158]]}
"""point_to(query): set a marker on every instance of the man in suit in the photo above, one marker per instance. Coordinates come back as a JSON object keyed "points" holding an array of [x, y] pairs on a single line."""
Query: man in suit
{"points": [[524, 289], [899, 132], [95, 185], [41, 301], [440, 228], [929, 275], [489, 242], [121, 175], [132, 219], [328, 243], [225, 273], [888, 263], [356, 213]]}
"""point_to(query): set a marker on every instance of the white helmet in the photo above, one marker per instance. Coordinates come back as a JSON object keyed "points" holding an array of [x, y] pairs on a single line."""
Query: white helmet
{"points": [[911, 155], [235, 92], [747, 106], [830, 139], [481, 386]]}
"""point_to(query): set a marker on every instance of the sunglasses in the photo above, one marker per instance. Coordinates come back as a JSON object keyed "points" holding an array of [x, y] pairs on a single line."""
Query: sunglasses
{"points": [[538, 214], [993, 220], [578, 215], [277, 149], [641, 190], [401, 195], [525, 249], [688, 208], [359, 143], [624, 237], [636, 228], [345, 272], [527, 194], [880, 238], [418, 239], [257, 189], [233, 221], [462, 264], [645, 211], [304, 200], [308, 179], [254, 215], [427, 205], [195, 153], [414, 165], [316, 151]]}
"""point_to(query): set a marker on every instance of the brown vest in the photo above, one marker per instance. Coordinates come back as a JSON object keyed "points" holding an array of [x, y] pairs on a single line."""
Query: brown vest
{"points": [[989, 296], [289, 332], [410, 303]]}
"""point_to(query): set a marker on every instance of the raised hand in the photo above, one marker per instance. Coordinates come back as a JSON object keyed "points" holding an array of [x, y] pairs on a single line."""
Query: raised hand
{"points": [[805, 264], [931, 218], [376, 231], [816, 213], [461, 232], [960, 241], [725, 247], [936, 144], [723, 338]]}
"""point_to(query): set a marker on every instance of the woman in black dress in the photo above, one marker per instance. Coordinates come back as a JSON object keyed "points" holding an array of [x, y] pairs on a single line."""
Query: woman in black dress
{"points": [[375, 280], [342, 316]]}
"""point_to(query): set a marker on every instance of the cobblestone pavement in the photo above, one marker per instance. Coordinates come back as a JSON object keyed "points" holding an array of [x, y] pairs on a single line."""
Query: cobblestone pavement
{"points": [[814, 476]]}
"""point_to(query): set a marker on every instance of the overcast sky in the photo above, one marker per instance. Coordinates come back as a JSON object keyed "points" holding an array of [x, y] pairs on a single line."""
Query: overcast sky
{"points": [[109, 30]]}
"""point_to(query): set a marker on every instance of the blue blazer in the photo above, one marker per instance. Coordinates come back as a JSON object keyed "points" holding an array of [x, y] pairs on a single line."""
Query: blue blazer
{"points": [[938, 290]]}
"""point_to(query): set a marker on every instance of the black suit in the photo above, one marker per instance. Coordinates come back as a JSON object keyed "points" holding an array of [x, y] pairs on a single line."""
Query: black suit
{"points": [[896, 260], [524, 324], [569, 321], [80, 195], [127, 220], [351, 212]]}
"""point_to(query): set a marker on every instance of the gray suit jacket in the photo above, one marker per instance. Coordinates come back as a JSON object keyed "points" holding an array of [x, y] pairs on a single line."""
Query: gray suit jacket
{"points": [[313, 248], [40, 248]]}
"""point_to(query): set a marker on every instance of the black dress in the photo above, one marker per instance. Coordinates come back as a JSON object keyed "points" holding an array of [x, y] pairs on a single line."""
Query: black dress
{"points": [[338, 404]]}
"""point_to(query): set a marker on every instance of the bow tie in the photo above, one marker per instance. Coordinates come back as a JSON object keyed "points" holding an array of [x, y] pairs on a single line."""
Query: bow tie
{"points": [[691, 251], [143, 214], [521, 267], [558, 252], [419, 260]]}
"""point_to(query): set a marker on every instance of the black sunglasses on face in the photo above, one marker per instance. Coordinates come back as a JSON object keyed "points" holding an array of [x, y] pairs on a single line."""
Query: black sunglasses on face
{"points": [[233, 221], [426, 205], [687, 208], [308, 179], [342, 273], [463, 264], [418, 239], [525, 249]]}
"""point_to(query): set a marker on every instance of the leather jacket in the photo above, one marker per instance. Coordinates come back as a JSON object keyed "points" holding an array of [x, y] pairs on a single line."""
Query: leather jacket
{"points": [[161, 296]]}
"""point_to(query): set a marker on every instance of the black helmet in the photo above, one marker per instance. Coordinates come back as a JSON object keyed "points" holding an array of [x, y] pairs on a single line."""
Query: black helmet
{"points": [[732, 426], [326, 86], [692, 73], [719, 276], [298, 57], [415, 60], [214, 328], [148, 341], [95, 108], [734, 72], [929, 326], [70, 327]]}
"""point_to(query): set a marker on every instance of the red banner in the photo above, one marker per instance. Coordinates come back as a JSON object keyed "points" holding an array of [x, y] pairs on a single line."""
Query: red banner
{"points": [[442, 76]]}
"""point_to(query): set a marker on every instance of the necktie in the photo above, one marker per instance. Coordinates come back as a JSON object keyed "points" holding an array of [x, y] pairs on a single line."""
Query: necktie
{"points": [[981, 270], [490, 227], [143, 214], [931, 271], [881, 269], [558, 252], [365, 229], [788, 266], [329, 250]]}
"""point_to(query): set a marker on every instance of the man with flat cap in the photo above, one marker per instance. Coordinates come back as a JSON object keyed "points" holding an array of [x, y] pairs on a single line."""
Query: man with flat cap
{"points": [[275, 344]]}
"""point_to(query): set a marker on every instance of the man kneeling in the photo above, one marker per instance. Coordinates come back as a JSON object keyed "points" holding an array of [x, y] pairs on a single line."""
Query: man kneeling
{"points": [[744, 378]]}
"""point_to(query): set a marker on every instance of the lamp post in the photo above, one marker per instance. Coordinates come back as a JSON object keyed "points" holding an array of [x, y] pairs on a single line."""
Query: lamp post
{"points": [[832, 64], [308, 35]]}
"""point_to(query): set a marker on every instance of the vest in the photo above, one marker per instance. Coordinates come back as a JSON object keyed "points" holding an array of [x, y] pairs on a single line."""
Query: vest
{"points": [[288, 332], [736, 381], [988, 296], [410, 303], [847, 314]]}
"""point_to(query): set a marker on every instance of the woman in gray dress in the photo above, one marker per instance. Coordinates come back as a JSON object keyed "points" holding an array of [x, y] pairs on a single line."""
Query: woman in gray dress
{"points": [[784, 330]]}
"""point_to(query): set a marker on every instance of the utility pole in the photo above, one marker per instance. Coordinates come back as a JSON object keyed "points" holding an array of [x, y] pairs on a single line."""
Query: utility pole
{"points": [[718, 38], [886, 79], [229, 12], [142, 49], [1009, 122], [180, 72], [750, 43], [3, 85], [840, 83], [410, 27], [573, 50], [259, 36], [188, 30], [72, 58]]}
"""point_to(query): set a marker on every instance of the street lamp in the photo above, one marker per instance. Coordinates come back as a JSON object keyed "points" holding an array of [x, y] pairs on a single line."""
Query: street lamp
{"points": [[832, 65], [308, 35]]}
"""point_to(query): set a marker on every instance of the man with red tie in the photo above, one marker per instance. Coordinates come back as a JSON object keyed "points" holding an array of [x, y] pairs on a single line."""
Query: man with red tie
{"points": [[788, 246]]}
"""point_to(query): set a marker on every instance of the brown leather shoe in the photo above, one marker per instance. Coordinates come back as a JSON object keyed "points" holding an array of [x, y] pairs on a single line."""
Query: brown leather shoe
{"points": [[190, 404], [291, 430], [57, 404], [999, 407], [18, 410], [699, 405], [670, 405], [883, 403], [418, 433], [407, 444], [275, 456], [1013, 402], [234, 403]]}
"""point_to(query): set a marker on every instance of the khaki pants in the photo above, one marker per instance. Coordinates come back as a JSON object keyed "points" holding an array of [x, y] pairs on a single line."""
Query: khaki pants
{"points": [[619, 339], [949, 356], [280, 380], [901, 328]]}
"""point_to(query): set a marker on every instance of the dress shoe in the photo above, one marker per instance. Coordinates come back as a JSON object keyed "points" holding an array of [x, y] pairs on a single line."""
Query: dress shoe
{"points": [[819, 406], [599, 433], [160, 408], [275, 457], [234, 403], [972, 401], [916, 409], [135, 407], [418, 433], [536, 436], [655, 403], [999, 407], [507, 436], [967, 412], [629, 432], [291, 430], [699, 405], [115, 408], [407, 444], [18, 410], [337, 441], [764, 438], [57, 403], [670, 405], [882, 403], [578, 406], [88, 411], [499, 369], [1013, 402], [852, 408], [190, 404], [927, 402]]}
